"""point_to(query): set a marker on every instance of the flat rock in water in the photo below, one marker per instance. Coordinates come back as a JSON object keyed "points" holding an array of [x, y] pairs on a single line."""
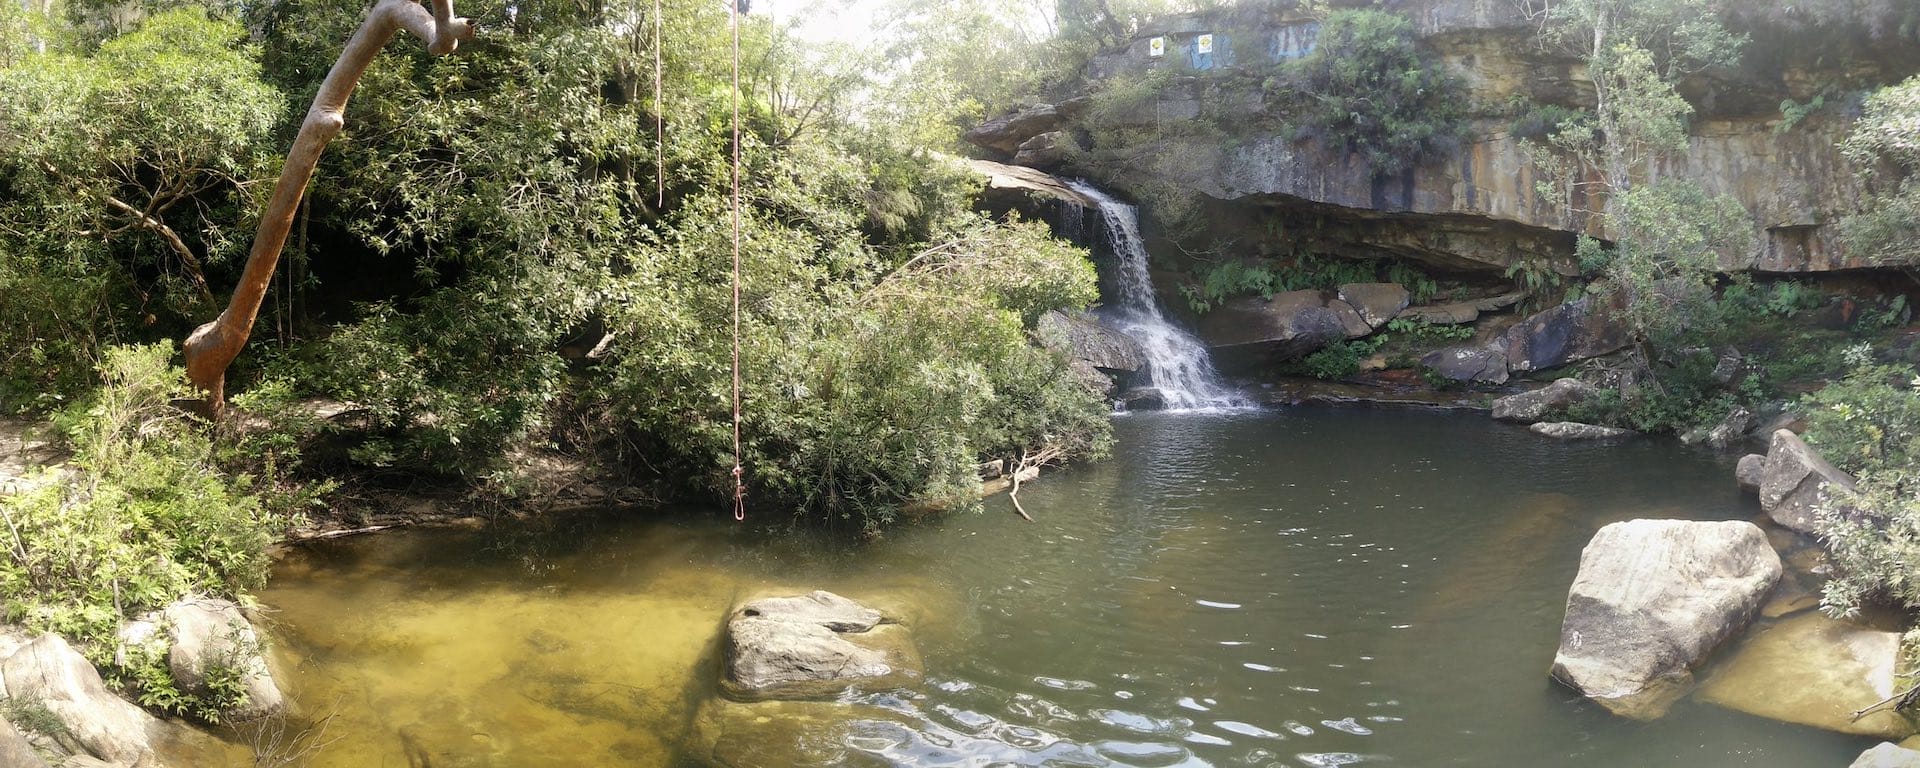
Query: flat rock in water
{"points": [[1796, 481], [1534, 405], [1651, 600], [814, 646], [1887, 755], [1573, 430], [1814, 670]]}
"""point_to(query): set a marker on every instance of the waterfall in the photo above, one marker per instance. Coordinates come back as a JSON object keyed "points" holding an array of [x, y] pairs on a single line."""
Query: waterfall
{"points": [[1177, 363]]}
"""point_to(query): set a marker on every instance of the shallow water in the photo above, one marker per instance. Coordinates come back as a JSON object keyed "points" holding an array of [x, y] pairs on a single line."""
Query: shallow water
{"points": [[1299, 588]]}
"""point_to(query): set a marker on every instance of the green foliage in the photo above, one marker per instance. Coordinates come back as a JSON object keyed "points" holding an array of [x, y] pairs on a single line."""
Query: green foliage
{"points": [[1869, 424], [1885, 153], [1421, 330], [33, 716], [1373, 92], [1538, 122], [147, 519], [1338, 360], [1672, 233], [885, 391], [1792, 112], [1223, 280], [101, 155]]}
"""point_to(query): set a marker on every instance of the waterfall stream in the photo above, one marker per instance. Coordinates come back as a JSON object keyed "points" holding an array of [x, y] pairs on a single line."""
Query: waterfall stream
{"points": [[1177, 362]]}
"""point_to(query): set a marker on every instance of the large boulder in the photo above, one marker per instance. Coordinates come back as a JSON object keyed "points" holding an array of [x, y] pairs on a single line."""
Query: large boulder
{"points": [[1534, 405], [1045, 150], [1007, 132], [1573, 430], [1797, 481], [1817, 671], [1377, 303], [1568, 333], [814, 646], [1887, 755], [1081, 336], [212, 639], [1651, 600], [106, 726], [1250, 332], [1467, 363]]}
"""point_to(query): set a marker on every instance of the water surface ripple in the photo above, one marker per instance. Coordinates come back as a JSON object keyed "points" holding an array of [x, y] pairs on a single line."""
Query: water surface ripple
{"points": [[1301, 588]]}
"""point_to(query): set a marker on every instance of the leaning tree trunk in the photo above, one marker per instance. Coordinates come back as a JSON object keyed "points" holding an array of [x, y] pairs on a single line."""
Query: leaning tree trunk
{"points": [[212, 347]]}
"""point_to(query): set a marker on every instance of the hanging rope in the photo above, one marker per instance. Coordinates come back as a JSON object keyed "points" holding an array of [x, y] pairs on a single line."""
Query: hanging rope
{"points": [[739, 473], [659, 120]]}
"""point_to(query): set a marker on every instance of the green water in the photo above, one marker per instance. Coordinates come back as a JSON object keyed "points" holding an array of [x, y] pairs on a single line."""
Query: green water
{"points": [[1296, 588]]}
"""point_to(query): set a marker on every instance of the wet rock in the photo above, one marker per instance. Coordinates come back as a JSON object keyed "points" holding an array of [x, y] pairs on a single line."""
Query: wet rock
{"points": [[1796, 481], [1458, 313], [1532, 406], [1568, 333], [210, 636], [1729, 430], [1814, 670], [1045, 150], [1651, 600], [1083, 337], [813, 646], [1144, 399], [1007, 185], [1007, 132], [1468, 363], [1500, 302], [1727, 366], [784, 734], [51, 672], [1887, 755], [1249, 332], [1377, 303], [1573, 430], [1749, 472], [15, 751]]}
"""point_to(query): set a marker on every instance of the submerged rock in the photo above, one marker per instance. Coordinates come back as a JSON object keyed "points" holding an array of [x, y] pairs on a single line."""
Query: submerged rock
{"points": [[1534, 405], [1887, 755], [784, 734], [1814, 670], [814, 646], [1796, 481], [1651, 600], [1573, 430]]}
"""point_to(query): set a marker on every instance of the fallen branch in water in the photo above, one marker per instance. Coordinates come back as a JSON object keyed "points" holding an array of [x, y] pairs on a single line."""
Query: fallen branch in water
{"points": [[348, 532], [1901, 700], [1028, 468]]}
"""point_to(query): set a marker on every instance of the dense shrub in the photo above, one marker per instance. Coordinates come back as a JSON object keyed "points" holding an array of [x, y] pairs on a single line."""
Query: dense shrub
{"points": [[1869, 424], [1372, 91], [146, 515]]}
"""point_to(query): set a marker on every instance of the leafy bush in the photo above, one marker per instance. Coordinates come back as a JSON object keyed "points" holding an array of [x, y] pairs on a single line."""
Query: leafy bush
{"points": [[1218, 282], [146, 518], [1869, 424], [887, 393], [1338, 360], [1373, 92]]}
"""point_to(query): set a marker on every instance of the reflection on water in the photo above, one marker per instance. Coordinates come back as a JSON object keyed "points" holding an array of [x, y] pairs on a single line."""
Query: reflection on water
{"points": [[1310, 588]]}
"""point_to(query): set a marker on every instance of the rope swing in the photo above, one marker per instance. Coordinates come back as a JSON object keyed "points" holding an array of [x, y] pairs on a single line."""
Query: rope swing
{"points": [[739, 473]]}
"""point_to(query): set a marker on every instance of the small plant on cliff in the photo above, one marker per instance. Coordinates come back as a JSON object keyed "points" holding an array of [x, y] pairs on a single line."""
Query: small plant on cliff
{"points": [[1883, 147], [1371, 91]]}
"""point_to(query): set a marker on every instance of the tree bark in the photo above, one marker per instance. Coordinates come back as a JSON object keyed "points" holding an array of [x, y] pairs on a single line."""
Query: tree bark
{"points": [[213, 346]]}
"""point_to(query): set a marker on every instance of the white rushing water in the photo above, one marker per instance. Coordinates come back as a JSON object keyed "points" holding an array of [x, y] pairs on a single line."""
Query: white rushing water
{"points": [[1177, 363]]}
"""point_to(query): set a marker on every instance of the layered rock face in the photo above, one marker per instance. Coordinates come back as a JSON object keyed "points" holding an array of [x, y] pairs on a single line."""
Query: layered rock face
{"points": [[1476, 208]]}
